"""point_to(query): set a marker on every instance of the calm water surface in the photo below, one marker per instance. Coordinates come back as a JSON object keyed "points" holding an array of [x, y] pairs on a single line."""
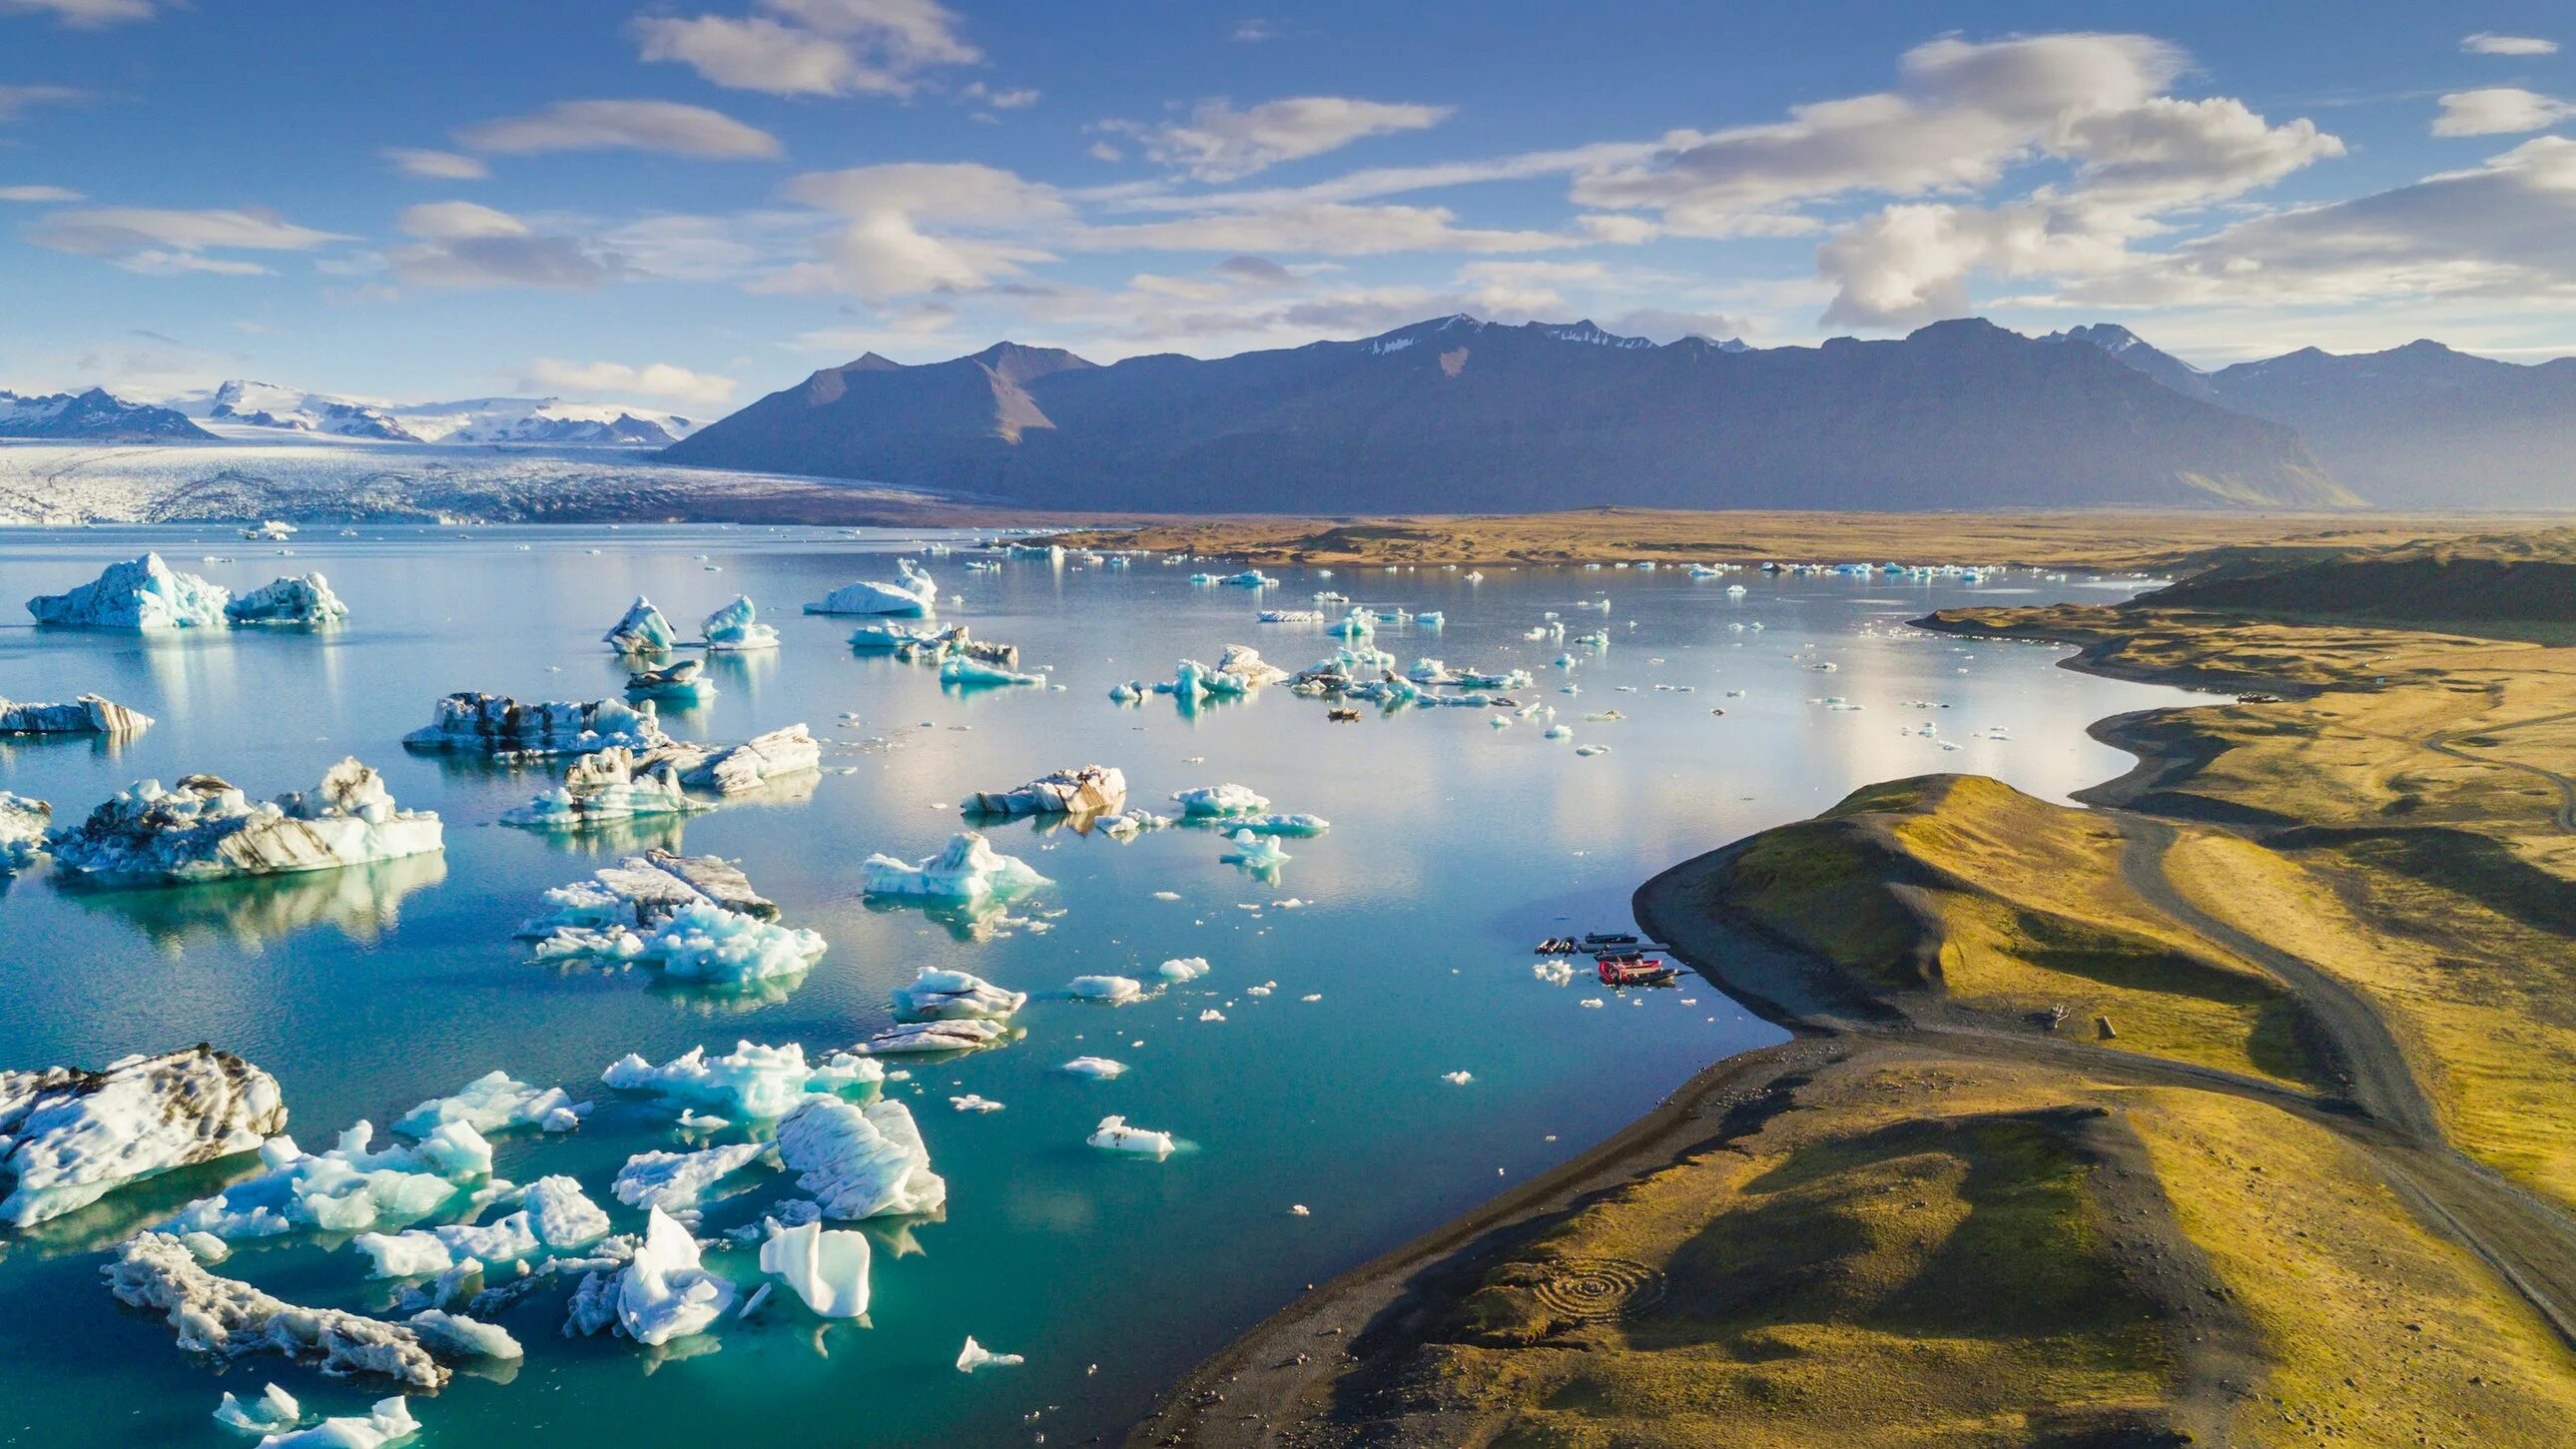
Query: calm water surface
{"points": [[1453, 846]]}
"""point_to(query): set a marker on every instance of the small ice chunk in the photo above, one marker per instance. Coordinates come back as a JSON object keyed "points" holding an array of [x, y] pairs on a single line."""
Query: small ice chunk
{"points": [[973, 1103], [1457, 1079], [1214, 800], [1112, 989], [676, 1182], [460, 1337], [643, 630], [827, 1269], [1114, 1135], [751, 1081], [1099, 1068], [274, 1411], [975, 1356], [736, 628], [1183, 968], [496, 1102], [937, 994], [968, 868], [388, 1422], [663, 1293], [935, 1036]]}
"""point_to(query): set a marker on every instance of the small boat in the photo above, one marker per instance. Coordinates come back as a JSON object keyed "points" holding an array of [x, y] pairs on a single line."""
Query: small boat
{"points": [[1556, 946], [1608, 938], [1633, 970]]}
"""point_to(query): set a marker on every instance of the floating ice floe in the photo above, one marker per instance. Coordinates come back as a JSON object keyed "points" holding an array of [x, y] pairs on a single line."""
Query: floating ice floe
{"points": [[860, 1162], [1255, 852], [1113, 989], [350, 1188], [69, 1137], [222, 1316], [387, 1421], [1238, 671], [975, 1356], [1114, 1135], [922, 1037], [1292, 616], [1183, 968], [495, 724], [695, 917], [1457, 1079], [726, 769], [937, 994], [751, 1081], [86, 715], [973, 1103], [274, 1411], [1557, 732], [555, 1216], [959, 669], [684, 682], [642, 631], [1097, 1068], [1219, 800], [1277, 824], [1085, 790], [457, 1336], [663, 1293], [827, 1269], [140, 594], [496, 1102], [875, 637], [303, 599], [917, 597], [205, 829], [641, 794], [736, 628], [1128, 824], [968, 869], [675, 1182]]}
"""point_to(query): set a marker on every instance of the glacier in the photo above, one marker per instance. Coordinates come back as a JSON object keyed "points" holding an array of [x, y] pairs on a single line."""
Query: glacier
{"points": [[205, 829], [346, 1189], [663, 1293]]}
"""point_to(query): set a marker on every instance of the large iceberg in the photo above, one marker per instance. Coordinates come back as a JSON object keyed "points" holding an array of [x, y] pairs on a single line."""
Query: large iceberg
{"points": [[350, 1188], [87, 715], [230, 1318], [206, 829], [942, 995], [303, 599], [141, 593], [860, 1162], [725, 769], [24, 824], [663, 1293], [1219, 800], [1086, 790], [917, 597], [495, 724], [968, 869], [387, 1421], [751, 1081], [736, 627], [642, 631], [827, 1269], [695, 917], [69, 1137]]}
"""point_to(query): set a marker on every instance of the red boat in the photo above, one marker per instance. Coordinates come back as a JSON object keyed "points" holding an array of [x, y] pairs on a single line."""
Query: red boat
{"points": [[1633, 969]]}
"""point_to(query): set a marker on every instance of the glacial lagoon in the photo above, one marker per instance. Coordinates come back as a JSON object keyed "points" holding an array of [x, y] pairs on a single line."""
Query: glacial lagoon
{"points": [[1322, 1082]]}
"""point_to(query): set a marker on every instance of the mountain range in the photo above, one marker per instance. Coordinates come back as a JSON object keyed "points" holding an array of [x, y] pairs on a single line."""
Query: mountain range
{"points": [[1458, 414], [255, 411]]}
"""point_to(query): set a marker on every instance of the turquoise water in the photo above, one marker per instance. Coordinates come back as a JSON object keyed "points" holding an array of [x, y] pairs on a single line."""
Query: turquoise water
{"points": [[1453, 846]]}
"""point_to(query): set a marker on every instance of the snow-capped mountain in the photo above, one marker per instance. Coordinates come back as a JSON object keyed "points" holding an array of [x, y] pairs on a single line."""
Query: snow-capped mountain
{"points": [[246, 409], [95, 415]]}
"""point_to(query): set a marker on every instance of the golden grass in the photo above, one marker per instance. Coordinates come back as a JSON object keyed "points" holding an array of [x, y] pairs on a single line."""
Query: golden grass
{"points": [[2011, 906]]}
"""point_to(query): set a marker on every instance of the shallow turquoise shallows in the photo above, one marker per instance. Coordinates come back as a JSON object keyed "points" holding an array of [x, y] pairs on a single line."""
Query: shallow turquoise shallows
{"points": [[1454, 846]]}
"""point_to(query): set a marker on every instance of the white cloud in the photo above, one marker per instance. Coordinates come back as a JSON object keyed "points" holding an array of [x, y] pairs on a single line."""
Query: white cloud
{"points": [[664, 126], [1317, 229], [660, 381], [436, 165], [84, 14], [2499, 111], [1254, 31], [920, 227], [147, 239], [463, 244], [1665, 324], [1019, 99], [813, 47], [17, 100], [1219, 143], [2487, 42], [39, 193]]}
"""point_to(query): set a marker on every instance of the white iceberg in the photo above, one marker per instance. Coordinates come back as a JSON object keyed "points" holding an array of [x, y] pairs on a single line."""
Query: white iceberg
{"points": [[1255, 852], [495, 724], [662, 1292], [976, 1356], [675, 1182], [736, 769], [388, 1421], [827, 1269], [653, 794], [1211, 800], [917, 597], [1085, 790], [1114, 989], [350, 1188], [496, 1102], [1128, 824], [305, 599], [695, 917], [751, 1081], [963, 1035], [967, 869], [223, 1316], [860, 1162], [1278, 824], [457, 1336], [736, 628], [421, 1252], [205, 829], [86, 715], [1183, 968], [69, 1137], [1114, 1135], [273, 1411], [1097, 1068], [643, 630], [683, 682], [938, 994], [883, 637], [960, 670], [141, 594]]}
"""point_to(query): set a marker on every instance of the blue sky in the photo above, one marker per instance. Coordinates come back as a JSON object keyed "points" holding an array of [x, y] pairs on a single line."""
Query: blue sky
{"points": [[689, 204]]}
